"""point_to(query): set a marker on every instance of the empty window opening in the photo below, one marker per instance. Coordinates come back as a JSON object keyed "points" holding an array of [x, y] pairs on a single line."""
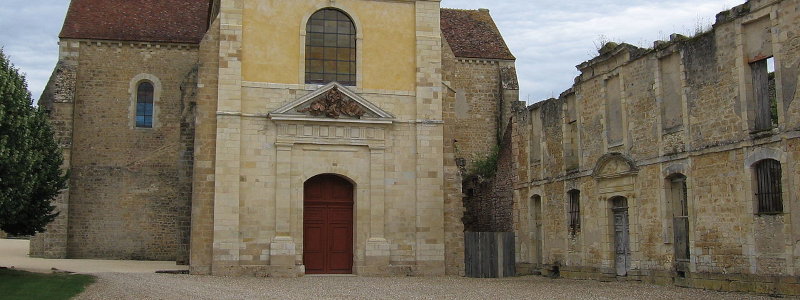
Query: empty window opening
{"points": [[574, 212], [764, 94], [144, 105], [680, 216], [330, 48], [769, 192]]}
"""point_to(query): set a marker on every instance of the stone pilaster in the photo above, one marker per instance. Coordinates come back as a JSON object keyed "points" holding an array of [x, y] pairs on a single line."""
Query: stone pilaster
{"points": [[228, 154], [429, 131]]}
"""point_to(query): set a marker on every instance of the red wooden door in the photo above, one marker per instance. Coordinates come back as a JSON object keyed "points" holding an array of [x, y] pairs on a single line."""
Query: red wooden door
{"points": [[328, 225]]}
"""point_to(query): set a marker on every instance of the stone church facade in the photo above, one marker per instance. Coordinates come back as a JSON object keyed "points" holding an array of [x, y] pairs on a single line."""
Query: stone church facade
{"points": [[270, 137], [677, 164]]}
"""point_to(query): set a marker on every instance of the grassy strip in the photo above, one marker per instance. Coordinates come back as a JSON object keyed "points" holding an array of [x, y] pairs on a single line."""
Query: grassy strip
{"points": [[16, 284]]}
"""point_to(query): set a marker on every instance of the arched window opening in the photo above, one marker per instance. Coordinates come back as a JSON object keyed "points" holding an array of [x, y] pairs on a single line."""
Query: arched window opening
{"points": [[330, 48], [144, 105], [768, 186], [574, 212]]}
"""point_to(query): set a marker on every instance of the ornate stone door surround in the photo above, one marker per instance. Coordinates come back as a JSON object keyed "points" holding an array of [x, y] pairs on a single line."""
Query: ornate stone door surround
{"points": [[615, 174], [332, 131]]}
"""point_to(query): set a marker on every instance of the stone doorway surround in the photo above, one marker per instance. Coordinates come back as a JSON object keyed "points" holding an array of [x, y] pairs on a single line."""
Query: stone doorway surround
{"points": [[615, 174]]}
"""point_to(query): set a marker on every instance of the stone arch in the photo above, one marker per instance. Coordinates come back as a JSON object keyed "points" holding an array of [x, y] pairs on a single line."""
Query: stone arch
{"points": [[132, 89], [359, 36], [614, 165], [759, 154]]}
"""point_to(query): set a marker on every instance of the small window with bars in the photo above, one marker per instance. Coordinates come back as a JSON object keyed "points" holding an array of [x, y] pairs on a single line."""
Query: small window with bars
{"points": [[144, 105], [574, 212], [330, 48], [769, 192]]}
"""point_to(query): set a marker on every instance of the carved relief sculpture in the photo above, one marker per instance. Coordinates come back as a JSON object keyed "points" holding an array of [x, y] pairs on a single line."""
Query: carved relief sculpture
{"points": [[334, 105]]}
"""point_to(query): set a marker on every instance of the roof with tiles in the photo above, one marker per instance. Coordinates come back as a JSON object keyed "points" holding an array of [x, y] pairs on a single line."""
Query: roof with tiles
{"points": [[172, 21], [473, 34]]}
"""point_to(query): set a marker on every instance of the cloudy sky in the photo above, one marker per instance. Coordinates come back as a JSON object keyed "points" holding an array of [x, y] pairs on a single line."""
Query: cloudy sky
{"points": [[548, 37]]}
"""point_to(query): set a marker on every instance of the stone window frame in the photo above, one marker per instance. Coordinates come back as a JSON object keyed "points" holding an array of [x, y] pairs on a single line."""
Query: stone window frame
{"points": [[568, 113], [359, 42], [133, 92], [574, 212], [748, 105], [757, 156], [670, 172], [661, 92], [616, 145]]}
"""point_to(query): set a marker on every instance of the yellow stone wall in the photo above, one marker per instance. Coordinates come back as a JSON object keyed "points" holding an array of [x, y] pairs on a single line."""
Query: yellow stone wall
{"points": [[274, 34]]}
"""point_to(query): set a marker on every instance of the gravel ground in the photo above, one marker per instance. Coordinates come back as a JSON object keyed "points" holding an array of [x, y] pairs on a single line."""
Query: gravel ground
{"points": [[168, 286]]}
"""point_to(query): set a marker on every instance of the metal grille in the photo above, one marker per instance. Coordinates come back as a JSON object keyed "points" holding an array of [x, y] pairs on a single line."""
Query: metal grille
{"points": [[330, 48], [768, 182], [144, 105], [574, 212]]}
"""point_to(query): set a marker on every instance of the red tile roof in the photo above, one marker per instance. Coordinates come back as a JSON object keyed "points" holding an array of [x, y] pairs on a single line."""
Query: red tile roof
{"points": [[176, 21], [473, 34]]}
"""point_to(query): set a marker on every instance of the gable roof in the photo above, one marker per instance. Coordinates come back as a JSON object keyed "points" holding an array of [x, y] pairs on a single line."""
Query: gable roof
{"points": [[473, 34], [175, 21]]}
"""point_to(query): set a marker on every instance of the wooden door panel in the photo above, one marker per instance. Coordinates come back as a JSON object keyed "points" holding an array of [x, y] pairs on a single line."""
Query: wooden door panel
{"points": [[328, 225]]}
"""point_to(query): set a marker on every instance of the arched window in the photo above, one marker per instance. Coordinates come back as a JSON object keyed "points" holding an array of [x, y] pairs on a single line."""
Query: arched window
{"points": [[574, 211], [330, 48], [768, 191], [144, 105]]}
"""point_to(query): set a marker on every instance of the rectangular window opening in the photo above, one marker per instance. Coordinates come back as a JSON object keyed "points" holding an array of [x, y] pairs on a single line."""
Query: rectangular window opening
{"points": [[764, 94], [574, 212]]}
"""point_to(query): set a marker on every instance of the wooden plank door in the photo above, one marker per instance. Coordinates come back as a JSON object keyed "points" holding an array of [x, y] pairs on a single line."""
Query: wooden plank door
{"points": [[328, 225]]}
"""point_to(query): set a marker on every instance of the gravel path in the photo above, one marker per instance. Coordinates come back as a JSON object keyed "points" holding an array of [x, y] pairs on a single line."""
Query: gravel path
{"points": [[167, 286]]}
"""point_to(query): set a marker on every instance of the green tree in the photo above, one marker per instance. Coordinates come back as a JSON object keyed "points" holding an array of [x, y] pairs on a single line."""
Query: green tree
{"points": [[30, 158]]}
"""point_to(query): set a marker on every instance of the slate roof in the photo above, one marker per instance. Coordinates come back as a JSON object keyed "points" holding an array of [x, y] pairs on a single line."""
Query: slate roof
{"points": [[174, 21], [473, 34]]}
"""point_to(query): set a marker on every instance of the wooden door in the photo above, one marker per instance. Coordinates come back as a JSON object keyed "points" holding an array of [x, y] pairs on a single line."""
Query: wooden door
{"points": [[328, 225], [621, 236]]}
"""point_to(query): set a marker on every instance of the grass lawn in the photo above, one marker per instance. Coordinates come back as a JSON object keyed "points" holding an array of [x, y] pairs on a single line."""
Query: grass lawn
{"points": [[26, 285]]}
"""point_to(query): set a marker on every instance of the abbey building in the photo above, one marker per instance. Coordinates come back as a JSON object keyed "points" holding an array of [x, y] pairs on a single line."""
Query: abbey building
{"points": [[283, 138]]}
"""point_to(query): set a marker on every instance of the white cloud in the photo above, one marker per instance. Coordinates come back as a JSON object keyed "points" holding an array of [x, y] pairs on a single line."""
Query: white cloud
{"points": [[549, 38]]}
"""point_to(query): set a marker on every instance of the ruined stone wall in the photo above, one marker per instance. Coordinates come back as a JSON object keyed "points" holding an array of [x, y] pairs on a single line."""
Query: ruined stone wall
{"points": [[477, 99], [124, 199], [473, 103], [489, 201], [685, 107]]}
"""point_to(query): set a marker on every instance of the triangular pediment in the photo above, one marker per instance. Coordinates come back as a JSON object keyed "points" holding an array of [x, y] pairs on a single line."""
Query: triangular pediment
{"points": [[332, 102], [614, 165]]}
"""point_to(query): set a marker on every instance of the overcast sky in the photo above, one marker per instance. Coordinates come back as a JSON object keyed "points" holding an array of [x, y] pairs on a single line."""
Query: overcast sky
{"points": [[548, 37]]}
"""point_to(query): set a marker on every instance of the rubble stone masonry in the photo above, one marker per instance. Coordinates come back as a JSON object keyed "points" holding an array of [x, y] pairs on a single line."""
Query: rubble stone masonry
{"points": [[688, 109]]}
